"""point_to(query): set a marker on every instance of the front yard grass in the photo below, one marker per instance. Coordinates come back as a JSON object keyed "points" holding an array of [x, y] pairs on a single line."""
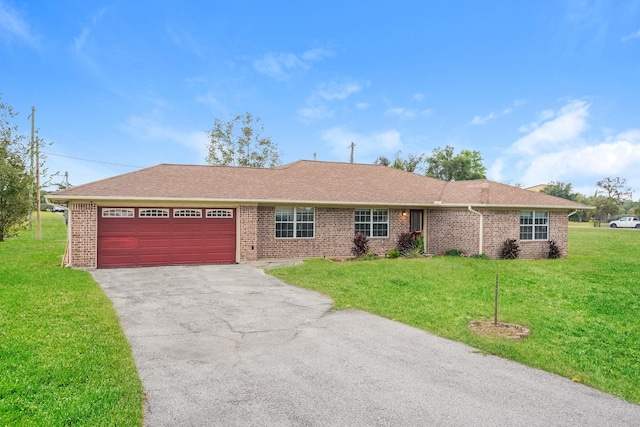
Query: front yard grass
{"points": [[583, 311], [64, 359]]}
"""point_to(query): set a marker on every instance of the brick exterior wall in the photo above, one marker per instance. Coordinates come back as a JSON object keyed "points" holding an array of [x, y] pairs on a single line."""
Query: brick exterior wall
{"points": [[452, 229], [334, 230], [459, 229], [84, 235], [498, 227], [558, 231], [248, 232]]}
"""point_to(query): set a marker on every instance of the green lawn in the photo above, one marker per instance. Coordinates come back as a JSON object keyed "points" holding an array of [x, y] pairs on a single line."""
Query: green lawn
{"points": [[64, 359], [583, 311]]}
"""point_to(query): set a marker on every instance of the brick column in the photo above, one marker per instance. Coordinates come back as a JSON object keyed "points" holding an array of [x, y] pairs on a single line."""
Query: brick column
{"points": [[84, 235], [248, 232]]}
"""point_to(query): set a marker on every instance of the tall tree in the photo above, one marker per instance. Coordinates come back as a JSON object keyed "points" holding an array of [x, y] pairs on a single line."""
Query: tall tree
{"points": [[411, 164], [560, 189], [614, 193], [239, 142], [15, 181], [446, 165]]}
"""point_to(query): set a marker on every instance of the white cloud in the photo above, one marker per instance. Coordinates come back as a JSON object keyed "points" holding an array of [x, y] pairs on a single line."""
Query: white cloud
{"points": [[276, 65], [316, 112], [617, 157], [631, 36], [317, 105], [208, 99], [368, 146], [480, 120], [362, 105], [337, 90], [80, 42], [186, 41], [12, 26], [494, 172], [150, 130], [418, 97], [557, 149], [542, 117], [279, 65], [317, 54], [407, 113], [401, 112], [564, 127]]}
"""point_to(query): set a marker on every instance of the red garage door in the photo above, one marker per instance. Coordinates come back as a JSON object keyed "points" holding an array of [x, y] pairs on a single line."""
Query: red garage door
{"points": [[131, 237]]}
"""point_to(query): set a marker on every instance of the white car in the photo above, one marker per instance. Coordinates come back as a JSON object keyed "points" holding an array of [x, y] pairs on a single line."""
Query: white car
{"points": [[626, 222]]}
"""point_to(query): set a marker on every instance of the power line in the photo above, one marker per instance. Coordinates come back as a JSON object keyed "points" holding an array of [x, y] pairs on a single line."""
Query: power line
{"points": [[94, 161]]}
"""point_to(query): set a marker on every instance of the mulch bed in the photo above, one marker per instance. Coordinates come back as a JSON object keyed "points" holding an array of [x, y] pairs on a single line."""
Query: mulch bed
{"points": [[499, 330]]}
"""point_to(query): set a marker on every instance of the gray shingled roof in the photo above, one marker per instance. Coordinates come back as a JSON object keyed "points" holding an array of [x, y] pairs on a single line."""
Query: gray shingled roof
{"points": [[310, 182]]}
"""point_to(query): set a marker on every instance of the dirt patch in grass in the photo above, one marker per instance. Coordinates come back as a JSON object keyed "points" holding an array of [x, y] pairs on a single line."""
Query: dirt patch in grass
{"points": [[499, 330]]}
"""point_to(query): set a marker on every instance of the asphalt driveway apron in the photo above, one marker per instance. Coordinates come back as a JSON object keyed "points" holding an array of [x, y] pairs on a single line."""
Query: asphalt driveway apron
{"points": [[231, 346]]}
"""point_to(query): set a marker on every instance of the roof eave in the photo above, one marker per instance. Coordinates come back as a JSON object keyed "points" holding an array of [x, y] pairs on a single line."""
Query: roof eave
{"points": [[512, 206], [435, 204]]}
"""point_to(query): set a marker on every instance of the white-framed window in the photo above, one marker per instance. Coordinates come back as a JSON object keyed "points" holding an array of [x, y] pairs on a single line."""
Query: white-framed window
{"points": [[372, 222], [153, 213], [219, 213], [534, 225], [118, 213], [187, 213], [295, 222]]}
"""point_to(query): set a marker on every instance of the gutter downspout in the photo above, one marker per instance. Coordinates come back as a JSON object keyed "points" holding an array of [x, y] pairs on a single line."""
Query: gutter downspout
{"points": [[69, 234], [572, 213], [481, 228]]}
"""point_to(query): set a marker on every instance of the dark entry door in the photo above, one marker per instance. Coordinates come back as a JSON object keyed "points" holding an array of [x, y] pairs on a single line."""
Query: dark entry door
{"points": [[416, 220]]}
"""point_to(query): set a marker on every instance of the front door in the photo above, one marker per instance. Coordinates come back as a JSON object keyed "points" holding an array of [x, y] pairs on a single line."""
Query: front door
{"points": [[416, 220]]}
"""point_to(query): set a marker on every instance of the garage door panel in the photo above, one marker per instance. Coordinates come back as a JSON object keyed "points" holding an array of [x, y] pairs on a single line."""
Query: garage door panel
{"points": [[189, 242], [154, 242], [148, 241], [153, 258], [120, 242]]}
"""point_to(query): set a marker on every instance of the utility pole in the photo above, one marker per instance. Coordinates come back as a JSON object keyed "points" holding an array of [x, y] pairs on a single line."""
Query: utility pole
{"points": [[31, 153], [353, 145], [38, 230]]}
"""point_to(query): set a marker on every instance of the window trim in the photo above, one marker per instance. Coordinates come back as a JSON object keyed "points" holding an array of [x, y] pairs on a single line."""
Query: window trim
{"points": [[118, 213], [153, 213], [371, 222], [187, 213], [533, 226], [219, 213], [295, 231]]}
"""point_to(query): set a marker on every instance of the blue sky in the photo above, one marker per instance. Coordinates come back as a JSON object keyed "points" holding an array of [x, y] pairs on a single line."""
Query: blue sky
{"points": [[544, 90]]}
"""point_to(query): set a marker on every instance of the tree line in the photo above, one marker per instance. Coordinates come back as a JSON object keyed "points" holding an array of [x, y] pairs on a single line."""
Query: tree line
{"points": [[612, 199], [16, 181]]}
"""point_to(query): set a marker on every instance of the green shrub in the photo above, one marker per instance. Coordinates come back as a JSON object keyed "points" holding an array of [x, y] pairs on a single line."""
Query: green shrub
{"points": [[367, 257], [480, 256], [454, 252], [414, 253], [393, 253], [418, 243]]}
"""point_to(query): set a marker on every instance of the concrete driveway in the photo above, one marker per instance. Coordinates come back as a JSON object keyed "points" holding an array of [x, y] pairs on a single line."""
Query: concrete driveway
{"points": [[231, 346]]}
